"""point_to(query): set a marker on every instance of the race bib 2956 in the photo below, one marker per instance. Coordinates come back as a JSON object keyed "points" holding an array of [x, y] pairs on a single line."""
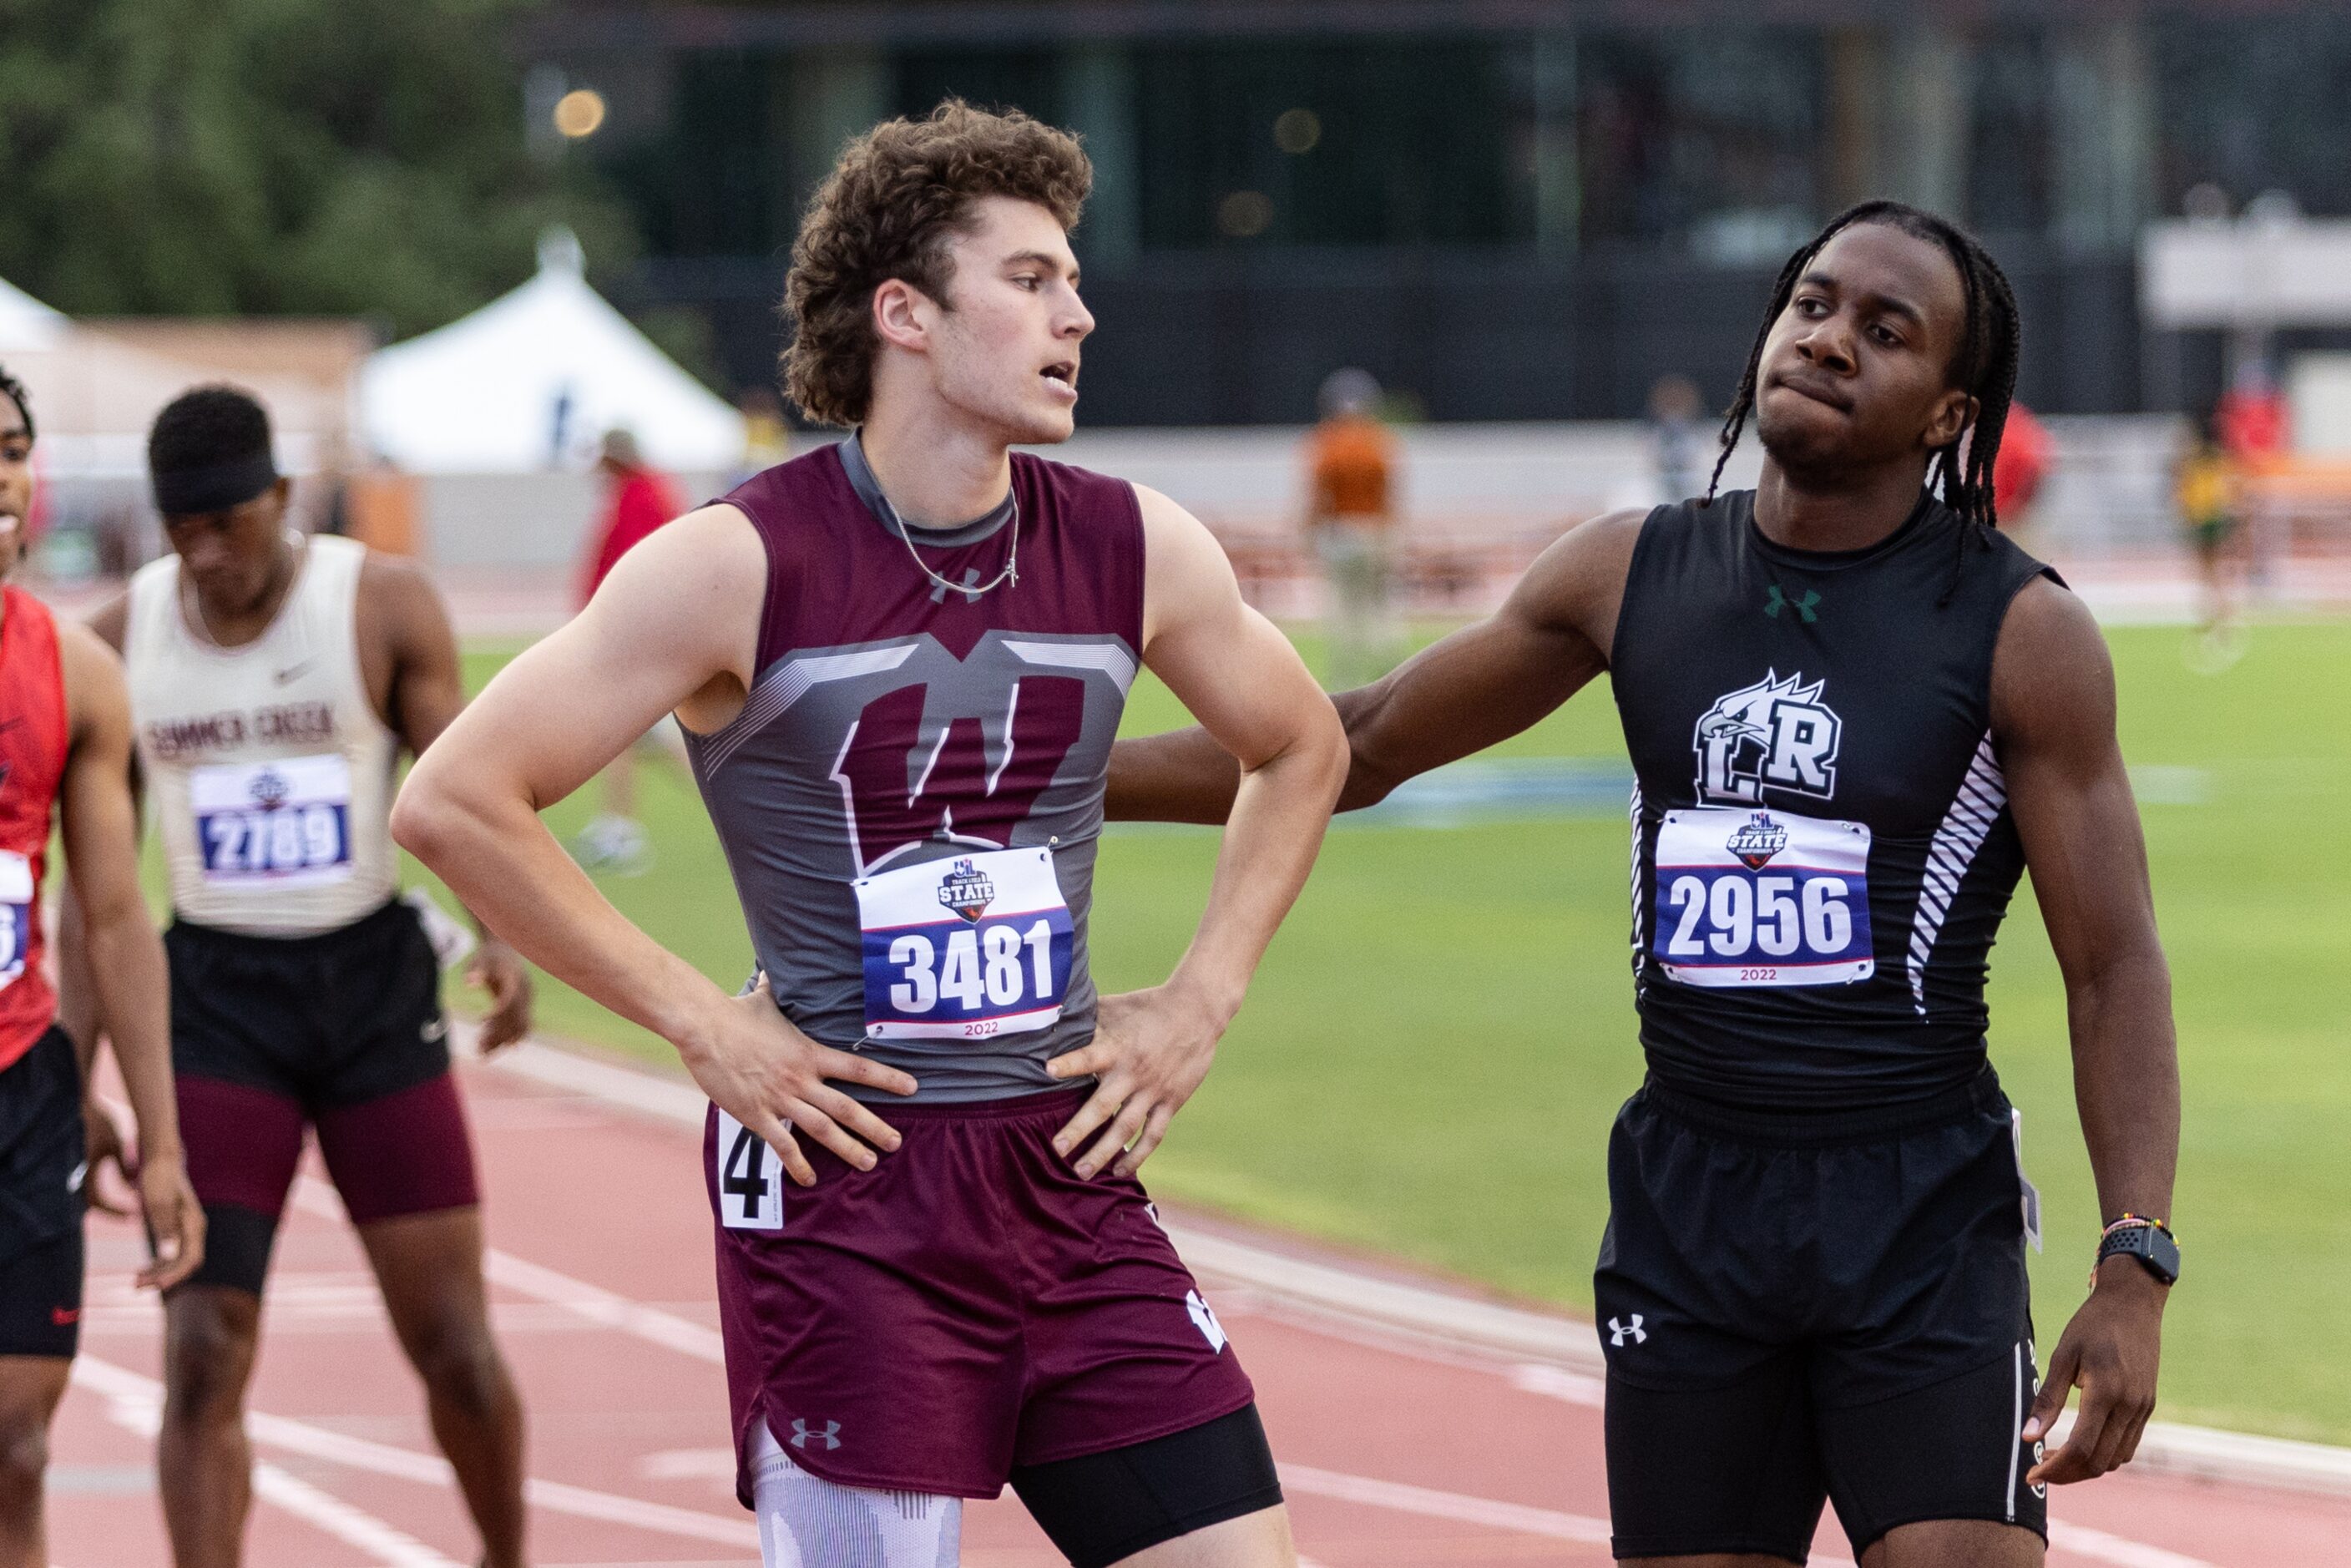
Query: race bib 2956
{"points": [[964, 948], [1748, 897]]}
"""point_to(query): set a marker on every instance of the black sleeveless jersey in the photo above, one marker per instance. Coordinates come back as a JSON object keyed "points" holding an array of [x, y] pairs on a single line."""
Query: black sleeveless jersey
{"points": [[1822, 845]]}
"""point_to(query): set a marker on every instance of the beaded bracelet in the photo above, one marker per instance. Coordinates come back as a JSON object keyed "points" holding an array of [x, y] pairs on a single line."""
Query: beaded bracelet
{"points": [[2128, 1220]]}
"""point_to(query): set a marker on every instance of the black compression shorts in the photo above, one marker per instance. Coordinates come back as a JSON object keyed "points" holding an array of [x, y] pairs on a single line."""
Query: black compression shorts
{"points": [[1100, 1509]]}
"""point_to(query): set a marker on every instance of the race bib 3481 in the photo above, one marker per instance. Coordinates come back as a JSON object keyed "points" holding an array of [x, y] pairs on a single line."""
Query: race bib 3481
{"points": [[1750, 897], [964, 948]]}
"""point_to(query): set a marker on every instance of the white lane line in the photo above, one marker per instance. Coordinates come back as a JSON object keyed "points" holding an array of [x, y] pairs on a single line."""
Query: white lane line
{"points": [[606, 1309], [134, 1393], [136, 1405], [344, 1521], [2082, 1541], [591, 1303]]}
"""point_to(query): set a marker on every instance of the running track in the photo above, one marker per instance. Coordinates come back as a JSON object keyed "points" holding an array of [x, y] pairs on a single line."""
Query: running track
{"points": [[1393, 1453]]}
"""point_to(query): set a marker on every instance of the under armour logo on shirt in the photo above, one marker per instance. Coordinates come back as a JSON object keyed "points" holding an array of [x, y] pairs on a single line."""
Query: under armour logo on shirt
{"points": [[970, 588], [1617, 1331], [802, 1437], [1803, 607]]}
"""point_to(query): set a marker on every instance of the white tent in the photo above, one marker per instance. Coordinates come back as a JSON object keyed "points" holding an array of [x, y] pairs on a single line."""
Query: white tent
{"points": [[533, 379], [27, 324]]}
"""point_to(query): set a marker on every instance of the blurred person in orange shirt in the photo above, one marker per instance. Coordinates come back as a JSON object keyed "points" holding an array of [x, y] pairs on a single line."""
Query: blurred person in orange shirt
{"points": [[1351, 516], [641, 498]]}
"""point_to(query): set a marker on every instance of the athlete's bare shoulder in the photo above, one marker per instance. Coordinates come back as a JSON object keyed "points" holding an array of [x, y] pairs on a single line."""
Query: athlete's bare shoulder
{"points": [[398, 602], [96, 689], [1166, 524], [1577, 584], [1185, 572], [111, 621], [708, 546], [2051, 670], [689, 594]]}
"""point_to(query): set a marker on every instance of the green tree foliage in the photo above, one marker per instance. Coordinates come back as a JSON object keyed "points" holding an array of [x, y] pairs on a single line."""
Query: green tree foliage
{"points": [[332, 157]]}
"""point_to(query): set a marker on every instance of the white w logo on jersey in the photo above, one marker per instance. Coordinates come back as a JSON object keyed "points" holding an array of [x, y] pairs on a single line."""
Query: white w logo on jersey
{"points": [[1776, 734]]}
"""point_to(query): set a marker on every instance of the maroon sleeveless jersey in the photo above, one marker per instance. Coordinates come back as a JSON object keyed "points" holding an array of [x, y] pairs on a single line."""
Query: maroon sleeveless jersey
{"points": [[910, 798]]}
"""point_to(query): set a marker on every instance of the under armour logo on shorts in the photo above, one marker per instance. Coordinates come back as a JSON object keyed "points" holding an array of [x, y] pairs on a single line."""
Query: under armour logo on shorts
{"points": [[1616, 1331], [802, 1437]]}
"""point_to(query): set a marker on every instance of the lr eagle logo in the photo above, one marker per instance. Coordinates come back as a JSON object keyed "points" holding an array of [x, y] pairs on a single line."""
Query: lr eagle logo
{"points": [[966, 889], [1774, 735]]}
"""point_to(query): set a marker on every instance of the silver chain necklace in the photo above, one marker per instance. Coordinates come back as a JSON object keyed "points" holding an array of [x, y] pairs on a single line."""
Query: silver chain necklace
{"points": [[1012, 572]]}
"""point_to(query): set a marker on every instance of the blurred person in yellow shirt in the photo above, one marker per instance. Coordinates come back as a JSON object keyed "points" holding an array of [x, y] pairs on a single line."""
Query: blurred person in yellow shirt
{"points": [[2206, 486]]}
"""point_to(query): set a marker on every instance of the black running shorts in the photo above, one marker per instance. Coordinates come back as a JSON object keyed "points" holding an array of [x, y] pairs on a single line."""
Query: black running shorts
{"points": [[1826, 1311], [338, 1033], [42, 1150]]}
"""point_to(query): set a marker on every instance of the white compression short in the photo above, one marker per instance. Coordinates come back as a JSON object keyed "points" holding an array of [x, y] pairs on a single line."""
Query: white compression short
{"points": [[809, 1522]]}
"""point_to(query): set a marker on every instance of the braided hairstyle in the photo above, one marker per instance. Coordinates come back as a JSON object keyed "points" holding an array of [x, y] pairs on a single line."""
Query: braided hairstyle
{"points": [[14, 390], [1983, 365]]}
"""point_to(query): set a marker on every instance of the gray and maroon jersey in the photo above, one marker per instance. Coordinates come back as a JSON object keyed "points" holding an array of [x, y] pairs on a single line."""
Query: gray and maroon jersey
{"points": [[910, 798]]}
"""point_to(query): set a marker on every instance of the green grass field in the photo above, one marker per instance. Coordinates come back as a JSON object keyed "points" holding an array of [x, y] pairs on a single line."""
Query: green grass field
{"points": [[1437, 1042]]}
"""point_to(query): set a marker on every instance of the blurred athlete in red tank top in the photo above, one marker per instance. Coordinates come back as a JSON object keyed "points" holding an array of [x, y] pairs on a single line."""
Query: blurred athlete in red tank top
{"points": [[64, 748]]}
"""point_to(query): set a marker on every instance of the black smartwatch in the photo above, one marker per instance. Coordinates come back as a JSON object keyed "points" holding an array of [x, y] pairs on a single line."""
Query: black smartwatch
{"points": [[2149, 1242]]}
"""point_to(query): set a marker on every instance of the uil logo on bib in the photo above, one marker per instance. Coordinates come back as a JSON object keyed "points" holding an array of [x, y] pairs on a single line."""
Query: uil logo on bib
{"points": [[968, 891], [1774, 735]]}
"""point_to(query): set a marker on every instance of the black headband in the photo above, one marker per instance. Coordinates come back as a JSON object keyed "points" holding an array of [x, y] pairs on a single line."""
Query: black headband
{"points": [[215, 488]]}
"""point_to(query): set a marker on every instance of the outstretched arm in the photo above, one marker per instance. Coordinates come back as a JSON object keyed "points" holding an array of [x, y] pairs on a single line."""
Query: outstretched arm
{"points": [[1257, 704], [2053, 727], [428, 692], [118, 939], [1483, 683], [674, 626]]}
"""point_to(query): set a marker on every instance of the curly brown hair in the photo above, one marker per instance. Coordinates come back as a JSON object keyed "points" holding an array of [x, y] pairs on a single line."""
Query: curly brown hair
{"points": [[895, 201]]}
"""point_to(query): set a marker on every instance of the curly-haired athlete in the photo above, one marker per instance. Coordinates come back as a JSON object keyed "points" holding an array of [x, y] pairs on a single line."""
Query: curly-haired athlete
{"points": [[1856, 714], [900, 663]]}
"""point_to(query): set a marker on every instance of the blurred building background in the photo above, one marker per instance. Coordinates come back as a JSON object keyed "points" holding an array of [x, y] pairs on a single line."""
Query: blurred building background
{"points": [[1522, 216], [1506, 209]]}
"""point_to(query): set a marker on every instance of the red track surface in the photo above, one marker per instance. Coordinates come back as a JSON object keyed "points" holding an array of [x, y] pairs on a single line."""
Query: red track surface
{"points": [[602, 1275]]}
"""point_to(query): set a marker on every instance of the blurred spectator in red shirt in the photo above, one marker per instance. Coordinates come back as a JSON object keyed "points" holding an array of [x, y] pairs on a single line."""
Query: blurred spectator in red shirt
{"points": [[2252, 422], [2021, 464], [641, 500]]}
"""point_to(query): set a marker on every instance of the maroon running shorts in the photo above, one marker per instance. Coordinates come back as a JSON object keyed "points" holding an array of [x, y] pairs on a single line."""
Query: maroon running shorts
{"points": [[967, 1306]]}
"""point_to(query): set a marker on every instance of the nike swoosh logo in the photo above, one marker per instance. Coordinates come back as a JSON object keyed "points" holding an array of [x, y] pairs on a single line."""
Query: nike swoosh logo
{"points": [[291, 671], [65, 1317]]}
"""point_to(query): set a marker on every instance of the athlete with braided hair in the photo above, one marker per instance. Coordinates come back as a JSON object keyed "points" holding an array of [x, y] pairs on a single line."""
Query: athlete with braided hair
{"points": [[1857, 715]]}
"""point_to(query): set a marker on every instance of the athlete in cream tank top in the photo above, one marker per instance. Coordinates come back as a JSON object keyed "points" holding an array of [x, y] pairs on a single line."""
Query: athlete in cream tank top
{"points": [[267, 766]]}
